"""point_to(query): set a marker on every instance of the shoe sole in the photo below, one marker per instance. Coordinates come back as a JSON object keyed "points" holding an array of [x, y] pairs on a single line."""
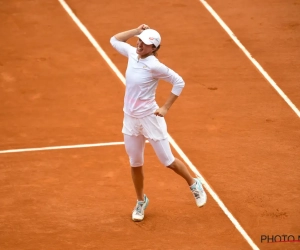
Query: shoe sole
{"points": [[202, 205], [137, 220]]}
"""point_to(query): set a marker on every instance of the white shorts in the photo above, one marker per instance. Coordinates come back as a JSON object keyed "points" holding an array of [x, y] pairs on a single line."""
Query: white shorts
{"points": [[151, 126], [154, 128]]}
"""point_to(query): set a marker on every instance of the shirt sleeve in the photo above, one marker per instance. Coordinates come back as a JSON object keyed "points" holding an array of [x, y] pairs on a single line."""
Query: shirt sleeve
{"points": [[160, 71], [122, 47]]}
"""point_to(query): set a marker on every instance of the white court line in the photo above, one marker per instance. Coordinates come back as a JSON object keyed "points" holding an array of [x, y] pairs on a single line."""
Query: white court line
{"points": [[172, 142], [247, 53], [21, 150]]}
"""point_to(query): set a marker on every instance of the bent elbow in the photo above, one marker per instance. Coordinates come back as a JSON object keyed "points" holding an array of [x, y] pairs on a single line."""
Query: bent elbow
{"points": [[181, 83], [112, 40]]}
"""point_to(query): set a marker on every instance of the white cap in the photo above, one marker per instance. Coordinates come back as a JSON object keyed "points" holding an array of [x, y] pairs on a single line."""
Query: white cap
{"points": [[150, 36]]}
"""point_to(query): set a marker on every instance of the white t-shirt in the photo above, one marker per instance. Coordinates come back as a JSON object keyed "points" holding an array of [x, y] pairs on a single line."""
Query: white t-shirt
{"points": [[142, 76]]}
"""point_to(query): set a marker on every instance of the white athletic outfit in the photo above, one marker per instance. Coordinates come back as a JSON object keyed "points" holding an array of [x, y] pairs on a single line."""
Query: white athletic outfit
{"points": [[140, 123]]}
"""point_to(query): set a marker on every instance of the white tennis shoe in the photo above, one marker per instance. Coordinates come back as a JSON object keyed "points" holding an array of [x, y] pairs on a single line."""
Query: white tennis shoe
{"points": [[199, 193], [139, 210]]}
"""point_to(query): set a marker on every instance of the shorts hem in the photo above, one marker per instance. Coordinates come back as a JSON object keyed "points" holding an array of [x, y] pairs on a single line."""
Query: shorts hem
{"points": [[166, 165], [136, 165]]}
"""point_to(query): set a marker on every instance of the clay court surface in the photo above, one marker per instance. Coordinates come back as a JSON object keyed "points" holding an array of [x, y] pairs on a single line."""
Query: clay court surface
{"points": [[57, 90]]}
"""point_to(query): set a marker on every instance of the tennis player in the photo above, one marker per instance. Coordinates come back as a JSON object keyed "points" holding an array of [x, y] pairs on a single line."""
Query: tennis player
{"points": [[143, 118]]}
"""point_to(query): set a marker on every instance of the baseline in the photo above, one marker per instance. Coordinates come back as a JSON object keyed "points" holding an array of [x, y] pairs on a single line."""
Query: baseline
{"points": [[21, 150], [171, 140]]}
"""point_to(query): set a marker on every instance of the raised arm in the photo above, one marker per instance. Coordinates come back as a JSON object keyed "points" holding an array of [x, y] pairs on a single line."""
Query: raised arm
{"points": [[125, 35]]}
